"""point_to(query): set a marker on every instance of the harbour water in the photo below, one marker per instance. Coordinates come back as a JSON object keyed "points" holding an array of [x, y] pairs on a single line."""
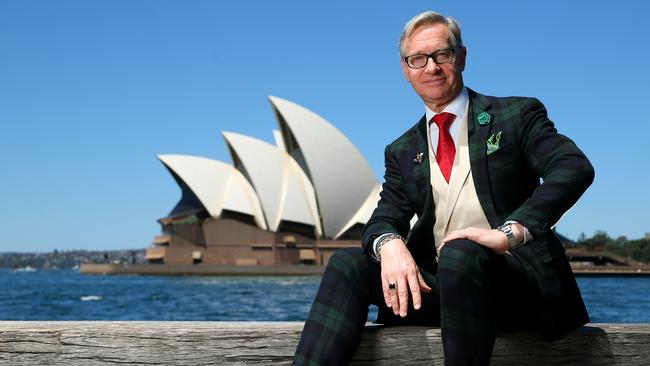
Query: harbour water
{"points": [[68, 295]]}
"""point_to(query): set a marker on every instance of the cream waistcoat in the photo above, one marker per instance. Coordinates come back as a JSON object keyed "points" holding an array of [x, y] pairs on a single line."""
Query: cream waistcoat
{"points": [[456, 204]]}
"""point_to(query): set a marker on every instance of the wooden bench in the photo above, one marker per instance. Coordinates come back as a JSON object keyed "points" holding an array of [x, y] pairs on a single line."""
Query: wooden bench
{"points": [[273, 343]]}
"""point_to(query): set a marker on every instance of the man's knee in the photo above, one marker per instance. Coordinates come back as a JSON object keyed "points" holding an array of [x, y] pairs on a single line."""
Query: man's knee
{"points": [[347, 258], [464, 246], [462, 253]]}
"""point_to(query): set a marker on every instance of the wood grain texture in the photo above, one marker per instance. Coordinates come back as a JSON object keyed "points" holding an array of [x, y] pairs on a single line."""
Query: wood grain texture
{"points": [[273, 343]]}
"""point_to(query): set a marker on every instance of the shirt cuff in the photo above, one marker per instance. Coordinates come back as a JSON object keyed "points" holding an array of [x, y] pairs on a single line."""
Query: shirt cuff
{"points": [[374, 246]]}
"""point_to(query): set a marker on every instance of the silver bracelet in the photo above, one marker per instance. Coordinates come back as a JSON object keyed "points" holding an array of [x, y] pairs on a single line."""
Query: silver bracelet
{"points": [[385, 239]]}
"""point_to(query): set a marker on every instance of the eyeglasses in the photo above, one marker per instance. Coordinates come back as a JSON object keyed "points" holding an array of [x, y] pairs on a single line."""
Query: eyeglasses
{"points": [[419, 61]]}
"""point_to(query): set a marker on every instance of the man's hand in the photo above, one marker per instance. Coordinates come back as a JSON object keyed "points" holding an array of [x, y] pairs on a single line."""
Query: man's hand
{"points": [[493, 239], [399, 268]]}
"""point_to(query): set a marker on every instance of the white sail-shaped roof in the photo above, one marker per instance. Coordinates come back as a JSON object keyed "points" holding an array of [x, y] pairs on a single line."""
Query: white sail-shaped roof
{"points": [[284, 190], [341, 176], [365, 211], [219, 186]]}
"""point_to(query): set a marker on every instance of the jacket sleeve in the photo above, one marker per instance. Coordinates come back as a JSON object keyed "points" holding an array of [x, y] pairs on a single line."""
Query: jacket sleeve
{"points": [[565, 171], [393, 212]]}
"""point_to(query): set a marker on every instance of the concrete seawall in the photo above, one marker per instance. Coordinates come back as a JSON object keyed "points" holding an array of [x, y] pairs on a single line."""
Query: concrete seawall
{"points": [[201, 270], [297, 270], [273, 343]]}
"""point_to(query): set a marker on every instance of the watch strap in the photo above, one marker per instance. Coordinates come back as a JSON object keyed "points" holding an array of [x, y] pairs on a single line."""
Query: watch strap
{"points": [[507, 230]]}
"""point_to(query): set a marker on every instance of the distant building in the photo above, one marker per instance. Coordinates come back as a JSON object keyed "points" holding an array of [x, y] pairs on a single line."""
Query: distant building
{"points": [[294, 202]]}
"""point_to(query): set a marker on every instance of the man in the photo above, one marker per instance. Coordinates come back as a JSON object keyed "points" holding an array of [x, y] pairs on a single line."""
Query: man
{"points": [[481, 256]]}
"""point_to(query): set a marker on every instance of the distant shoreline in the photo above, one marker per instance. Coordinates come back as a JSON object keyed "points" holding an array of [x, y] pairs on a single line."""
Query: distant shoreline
{"points": [[70, 259]]}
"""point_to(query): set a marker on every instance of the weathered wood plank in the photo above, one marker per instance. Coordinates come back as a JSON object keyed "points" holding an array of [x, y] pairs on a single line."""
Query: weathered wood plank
{"points": [[273, 343]]}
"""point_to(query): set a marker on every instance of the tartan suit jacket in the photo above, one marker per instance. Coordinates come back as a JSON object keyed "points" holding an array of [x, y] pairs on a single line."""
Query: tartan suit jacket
{"points": [[507, 181]]}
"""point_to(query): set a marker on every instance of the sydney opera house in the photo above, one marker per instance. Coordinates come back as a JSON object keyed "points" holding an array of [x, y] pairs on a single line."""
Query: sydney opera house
{"points": [[292, 202]]}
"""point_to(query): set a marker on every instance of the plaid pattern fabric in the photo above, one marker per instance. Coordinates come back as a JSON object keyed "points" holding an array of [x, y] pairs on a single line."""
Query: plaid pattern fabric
{"points": [[336, 320], [507, 183], [471, 290], [351, 282], [470, 281], [480, 292]]}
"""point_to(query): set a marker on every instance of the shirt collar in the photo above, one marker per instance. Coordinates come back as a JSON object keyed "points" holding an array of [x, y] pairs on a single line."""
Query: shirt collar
{"points": [[458, 106]]}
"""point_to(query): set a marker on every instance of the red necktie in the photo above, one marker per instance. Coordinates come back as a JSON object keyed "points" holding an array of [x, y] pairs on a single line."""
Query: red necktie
{"points": [[446, 149]]}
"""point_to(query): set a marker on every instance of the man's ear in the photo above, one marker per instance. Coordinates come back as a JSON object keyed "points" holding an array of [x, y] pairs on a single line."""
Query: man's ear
{"points": [[462, 54], [406, 71]]}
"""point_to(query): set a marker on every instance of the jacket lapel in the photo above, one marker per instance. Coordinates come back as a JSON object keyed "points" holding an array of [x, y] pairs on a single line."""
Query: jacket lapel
{"points": [[422, 174], [479, 108]]}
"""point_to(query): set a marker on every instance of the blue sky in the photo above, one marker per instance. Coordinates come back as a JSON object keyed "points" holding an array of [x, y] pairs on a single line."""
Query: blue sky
{"points": [[92, 91]]}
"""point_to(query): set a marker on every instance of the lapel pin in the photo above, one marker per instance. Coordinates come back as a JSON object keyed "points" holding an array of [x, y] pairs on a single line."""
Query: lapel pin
{"points": [[483, 118], [493, 143], [419, 157]]}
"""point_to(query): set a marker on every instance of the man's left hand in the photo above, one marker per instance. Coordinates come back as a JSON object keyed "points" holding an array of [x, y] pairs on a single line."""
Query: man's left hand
{"points": [[493, 239]]}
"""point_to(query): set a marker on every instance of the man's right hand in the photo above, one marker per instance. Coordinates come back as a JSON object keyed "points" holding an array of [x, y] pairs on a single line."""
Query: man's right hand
{"points": [[399, 268]]}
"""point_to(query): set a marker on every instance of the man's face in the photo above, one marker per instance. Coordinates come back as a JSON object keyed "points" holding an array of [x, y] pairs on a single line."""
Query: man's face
{"points": [[436, 84]]}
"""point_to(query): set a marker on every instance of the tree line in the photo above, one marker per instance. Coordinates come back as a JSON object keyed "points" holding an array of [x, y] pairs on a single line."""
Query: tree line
{"points": [[637, 249]]}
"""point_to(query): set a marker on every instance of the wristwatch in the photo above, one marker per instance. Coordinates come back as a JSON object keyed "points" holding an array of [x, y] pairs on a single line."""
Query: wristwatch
{"points": [[512, 241]]}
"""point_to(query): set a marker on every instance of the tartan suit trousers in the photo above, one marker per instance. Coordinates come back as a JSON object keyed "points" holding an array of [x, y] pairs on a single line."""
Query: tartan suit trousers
{"points": [[475, 293]]}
